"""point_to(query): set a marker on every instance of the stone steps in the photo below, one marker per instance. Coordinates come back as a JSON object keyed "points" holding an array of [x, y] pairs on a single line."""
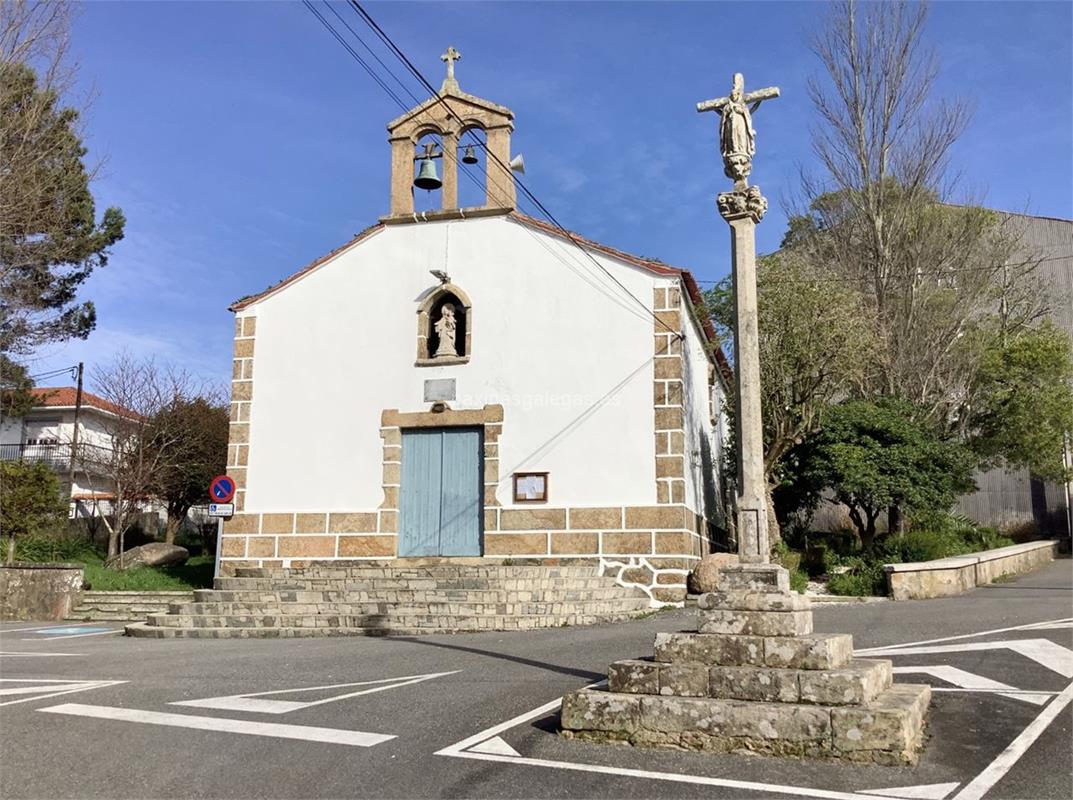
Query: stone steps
{"points": [[601, 592], [450, 607], [284, 625], [98, 606], [325, 599], [755, 678], [353, 584]]}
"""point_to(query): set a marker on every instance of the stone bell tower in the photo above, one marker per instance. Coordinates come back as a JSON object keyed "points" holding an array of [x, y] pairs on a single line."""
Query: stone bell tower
{"points": [[449, 115]]}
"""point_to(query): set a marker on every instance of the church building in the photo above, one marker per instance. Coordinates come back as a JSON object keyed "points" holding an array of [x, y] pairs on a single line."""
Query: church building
{"points": [[473, 383]]}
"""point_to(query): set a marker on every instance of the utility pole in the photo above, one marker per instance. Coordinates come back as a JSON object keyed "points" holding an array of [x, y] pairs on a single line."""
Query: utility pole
{"points": [[74, 436]]}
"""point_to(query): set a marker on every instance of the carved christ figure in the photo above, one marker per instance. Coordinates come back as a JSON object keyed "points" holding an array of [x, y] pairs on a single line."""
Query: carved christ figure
{"points": [[446, 329]]}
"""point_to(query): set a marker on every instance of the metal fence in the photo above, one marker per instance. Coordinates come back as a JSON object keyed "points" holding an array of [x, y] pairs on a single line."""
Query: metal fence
{"points": [[58, 456]]}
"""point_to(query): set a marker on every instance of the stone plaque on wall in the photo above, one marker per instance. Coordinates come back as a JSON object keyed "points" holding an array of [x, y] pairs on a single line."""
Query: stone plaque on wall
{"points": [[439, 389]]}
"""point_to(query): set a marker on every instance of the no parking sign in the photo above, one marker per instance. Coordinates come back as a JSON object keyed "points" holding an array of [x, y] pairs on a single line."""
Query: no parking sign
{"points": [[222, 489]]}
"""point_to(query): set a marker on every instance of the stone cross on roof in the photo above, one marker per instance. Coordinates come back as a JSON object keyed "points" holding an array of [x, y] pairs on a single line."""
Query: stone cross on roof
{"points": [[450, 57]]}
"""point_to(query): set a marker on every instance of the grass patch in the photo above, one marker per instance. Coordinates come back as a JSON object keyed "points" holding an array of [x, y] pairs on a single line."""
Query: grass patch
{"points": [[196, 573]]}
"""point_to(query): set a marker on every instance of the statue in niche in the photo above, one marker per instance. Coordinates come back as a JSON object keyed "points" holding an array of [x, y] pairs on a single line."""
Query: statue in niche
{"points": [[446, 331]]}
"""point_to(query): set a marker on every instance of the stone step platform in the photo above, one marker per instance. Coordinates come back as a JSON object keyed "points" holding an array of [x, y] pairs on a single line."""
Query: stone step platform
{"points": [[888, 731], [353, 584], [282, 626], [105, 606], [399, 597], [600, 591], [813, 651], [441, 606], [755, 678], [860, 682]]}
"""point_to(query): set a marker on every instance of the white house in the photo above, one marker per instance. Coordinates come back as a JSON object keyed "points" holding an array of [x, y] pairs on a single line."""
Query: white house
{"points": [[73, 438], [473, 382]]}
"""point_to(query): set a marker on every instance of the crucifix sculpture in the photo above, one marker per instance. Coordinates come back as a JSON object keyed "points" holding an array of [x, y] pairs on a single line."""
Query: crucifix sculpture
{"points": [[742, 208], [450, 57]]}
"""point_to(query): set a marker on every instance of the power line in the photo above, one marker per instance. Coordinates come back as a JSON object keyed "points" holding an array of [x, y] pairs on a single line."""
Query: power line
{"points": [[593, 282], [353, 53], [929, 273], [489, 154]]}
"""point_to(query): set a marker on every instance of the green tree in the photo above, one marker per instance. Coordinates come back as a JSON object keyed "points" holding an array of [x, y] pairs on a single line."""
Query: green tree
{"points": [[1022, 411], [50, 239], [30, 502], [15, 385], [880, 456], [815, 346], [196, 430]]}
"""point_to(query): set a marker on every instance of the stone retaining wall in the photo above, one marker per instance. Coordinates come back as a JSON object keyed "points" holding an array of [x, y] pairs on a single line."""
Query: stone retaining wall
{"points": [[126, 606], [952, 576], [39, 591]]}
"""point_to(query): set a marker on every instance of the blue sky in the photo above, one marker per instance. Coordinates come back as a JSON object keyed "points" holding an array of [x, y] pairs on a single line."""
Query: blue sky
{"points": [[242, 141]]}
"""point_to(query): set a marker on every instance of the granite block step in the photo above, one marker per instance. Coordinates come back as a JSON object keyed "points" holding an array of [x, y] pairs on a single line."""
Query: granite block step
{"points": [[860, 682], [888, 731], [814, 651], [755, 623]]}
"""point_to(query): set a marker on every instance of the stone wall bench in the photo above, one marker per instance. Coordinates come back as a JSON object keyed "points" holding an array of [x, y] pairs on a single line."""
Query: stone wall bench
{"points": [[956, 575], [30, 591]]}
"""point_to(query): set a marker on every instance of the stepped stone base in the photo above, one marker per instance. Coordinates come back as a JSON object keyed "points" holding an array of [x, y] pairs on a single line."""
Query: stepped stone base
{"points": [[124, 606], [761, 682], [400, 598]]}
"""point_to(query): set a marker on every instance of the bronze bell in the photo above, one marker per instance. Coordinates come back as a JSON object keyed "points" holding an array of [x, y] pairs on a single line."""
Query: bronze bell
{"points": [[469, 157], [427, 178]]}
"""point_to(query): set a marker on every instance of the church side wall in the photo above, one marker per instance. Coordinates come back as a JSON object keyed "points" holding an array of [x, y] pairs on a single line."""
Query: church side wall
{"points": [[560, 378]]}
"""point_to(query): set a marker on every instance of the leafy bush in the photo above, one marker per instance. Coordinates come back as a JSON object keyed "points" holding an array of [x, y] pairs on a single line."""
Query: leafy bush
{"points": [[863, 579], [55, 548], [799, 581], [30, 502]]}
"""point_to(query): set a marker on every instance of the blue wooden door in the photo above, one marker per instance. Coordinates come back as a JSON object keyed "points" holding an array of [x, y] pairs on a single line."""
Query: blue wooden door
{"points": [[441, 503]]}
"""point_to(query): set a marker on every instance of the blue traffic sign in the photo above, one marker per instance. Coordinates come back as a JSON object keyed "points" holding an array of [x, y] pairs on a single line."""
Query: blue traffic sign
{"points": [[222, 489]]}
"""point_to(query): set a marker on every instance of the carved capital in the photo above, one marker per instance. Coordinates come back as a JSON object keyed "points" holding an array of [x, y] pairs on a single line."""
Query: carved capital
{"points": [[737, 166], [743, 203]]}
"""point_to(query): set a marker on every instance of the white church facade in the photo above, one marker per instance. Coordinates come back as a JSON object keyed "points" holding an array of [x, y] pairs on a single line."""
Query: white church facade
{"points": [[476, 384]]}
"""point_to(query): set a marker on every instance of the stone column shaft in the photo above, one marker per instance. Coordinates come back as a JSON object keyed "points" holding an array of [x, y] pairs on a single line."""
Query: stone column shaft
{"points": [[753, 544], [402, 177], [449, 196]]}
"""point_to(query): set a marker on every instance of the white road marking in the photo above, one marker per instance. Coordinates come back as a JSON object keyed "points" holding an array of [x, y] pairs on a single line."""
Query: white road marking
{"points": [[992, 774], [30, 655], [925, 791], [1043, 651], [250, 702], [34, 628], [52, 688], [495, 746], [1029, 626], [72, 636], [271, 729], [969, 680], [1049, 626], [468, 748]]}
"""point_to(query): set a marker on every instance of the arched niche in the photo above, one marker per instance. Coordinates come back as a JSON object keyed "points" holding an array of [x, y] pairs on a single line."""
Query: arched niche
{"points": [[432, 350]]}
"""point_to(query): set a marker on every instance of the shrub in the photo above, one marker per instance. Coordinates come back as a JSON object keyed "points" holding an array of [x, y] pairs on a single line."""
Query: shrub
{"points": [[799, 581], [863, 579], [30, 502], [54, 548]]}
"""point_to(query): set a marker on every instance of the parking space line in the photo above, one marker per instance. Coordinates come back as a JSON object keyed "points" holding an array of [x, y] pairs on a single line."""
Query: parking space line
{"points": [[72, 636], [1029, 626], [270, 729], [992, 774], [25, 654], [69, 687]]}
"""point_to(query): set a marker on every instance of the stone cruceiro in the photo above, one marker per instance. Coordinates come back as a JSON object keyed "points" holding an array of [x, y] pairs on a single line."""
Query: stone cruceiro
{"points": [[755, 678]]}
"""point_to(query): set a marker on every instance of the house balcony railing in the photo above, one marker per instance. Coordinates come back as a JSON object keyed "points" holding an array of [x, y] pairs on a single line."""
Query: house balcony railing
{"points": [[58, 456]]}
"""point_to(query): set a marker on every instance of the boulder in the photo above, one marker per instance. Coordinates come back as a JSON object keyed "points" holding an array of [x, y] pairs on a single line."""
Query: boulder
{"points": [[154, 554], [705, 576]]}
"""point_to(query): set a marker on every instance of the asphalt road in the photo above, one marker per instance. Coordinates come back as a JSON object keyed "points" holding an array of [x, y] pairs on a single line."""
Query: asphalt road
{"points": [[475, 715]]}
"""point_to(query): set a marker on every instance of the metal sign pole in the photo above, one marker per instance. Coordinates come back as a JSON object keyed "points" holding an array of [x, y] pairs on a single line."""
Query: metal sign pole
{"points": [[219, 541]]}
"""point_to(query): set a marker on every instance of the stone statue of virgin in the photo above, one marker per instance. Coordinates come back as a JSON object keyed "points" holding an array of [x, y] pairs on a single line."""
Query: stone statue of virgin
{"points": [[446, 330]]}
